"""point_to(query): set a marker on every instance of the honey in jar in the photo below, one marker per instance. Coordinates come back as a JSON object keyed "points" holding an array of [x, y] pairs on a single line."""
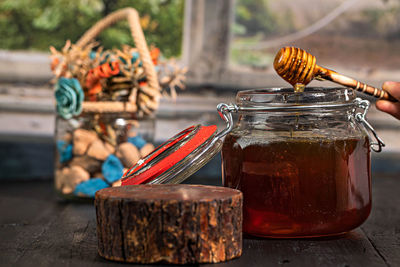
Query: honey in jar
{"points": [[303, 173]]}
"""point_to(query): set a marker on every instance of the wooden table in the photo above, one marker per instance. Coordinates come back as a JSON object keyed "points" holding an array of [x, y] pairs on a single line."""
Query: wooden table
{"points": [[37, 230]]}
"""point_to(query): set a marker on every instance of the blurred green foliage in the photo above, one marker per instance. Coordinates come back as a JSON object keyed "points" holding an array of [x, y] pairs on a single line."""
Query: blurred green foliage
{"points": [[37, 24], [252, 17], [269, 19], [253, 21]]}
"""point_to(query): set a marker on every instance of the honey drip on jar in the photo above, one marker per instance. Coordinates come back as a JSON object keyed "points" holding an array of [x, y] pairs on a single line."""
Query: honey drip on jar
{"points": [[299, 187], [299, 88]]}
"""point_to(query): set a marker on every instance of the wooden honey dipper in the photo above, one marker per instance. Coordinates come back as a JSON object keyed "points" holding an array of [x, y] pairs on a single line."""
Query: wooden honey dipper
{"points": [[298, 67]]}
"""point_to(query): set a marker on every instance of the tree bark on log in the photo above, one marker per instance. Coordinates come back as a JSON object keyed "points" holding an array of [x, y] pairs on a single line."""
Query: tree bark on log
{"points": [[177, 224]]}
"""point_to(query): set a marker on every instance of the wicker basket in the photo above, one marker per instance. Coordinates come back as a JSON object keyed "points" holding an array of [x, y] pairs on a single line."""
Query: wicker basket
{"points": [[152, 95]]}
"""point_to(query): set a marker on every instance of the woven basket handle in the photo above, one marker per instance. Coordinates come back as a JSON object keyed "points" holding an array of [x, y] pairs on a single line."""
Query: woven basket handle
{"points": [[137, 34]]}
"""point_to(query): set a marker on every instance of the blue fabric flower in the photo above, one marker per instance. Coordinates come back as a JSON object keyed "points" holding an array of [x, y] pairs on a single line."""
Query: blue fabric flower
{"points": [[64, 150], [92, 54], [69, 96], [135, 56], [90, 187], [112, 169], [137, 141]]}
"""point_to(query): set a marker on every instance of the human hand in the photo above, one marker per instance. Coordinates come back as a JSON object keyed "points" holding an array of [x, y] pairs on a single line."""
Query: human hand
{"points": [[393, 108]]}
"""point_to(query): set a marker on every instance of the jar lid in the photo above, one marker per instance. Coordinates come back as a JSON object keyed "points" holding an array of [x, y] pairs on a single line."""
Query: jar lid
{"points": [[177, 158], [182, 155]]}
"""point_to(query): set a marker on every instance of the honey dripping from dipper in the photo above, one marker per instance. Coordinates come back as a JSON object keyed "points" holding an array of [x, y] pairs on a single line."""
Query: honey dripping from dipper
{"points": [[294, 66]]}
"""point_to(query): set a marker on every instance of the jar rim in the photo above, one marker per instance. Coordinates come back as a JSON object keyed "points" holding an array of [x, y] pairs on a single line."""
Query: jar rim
{"points": [[286, 97]]}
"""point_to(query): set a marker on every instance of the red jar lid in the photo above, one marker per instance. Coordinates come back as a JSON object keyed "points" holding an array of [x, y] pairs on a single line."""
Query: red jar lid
{"points": [[176, 159]]}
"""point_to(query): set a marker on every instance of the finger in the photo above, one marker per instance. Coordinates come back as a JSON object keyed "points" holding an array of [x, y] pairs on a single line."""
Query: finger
{"points": [[389, 107], [393, 88]]}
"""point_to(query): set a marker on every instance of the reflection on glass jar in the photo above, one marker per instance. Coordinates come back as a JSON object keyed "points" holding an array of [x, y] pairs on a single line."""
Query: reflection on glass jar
{"points": [[303, 172], [95, 150]]}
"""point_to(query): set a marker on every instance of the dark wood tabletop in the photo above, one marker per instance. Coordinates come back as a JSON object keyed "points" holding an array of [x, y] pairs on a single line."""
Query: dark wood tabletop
{"points": [[37, 229]]}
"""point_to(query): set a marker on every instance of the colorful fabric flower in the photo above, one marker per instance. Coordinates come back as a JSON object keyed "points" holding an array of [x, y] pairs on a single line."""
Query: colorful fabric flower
{"points": [[155, 54], [64, 150], [135, 56], [69, 96], [112, 169], [90, 187], [137, 141], [94, 76]]}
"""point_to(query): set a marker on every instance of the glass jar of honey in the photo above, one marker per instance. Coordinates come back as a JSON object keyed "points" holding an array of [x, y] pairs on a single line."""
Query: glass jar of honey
{"points": [[302, 161]]}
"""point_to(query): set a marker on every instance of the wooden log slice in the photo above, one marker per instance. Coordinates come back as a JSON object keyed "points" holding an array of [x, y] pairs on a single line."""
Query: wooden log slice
{"points": [[176, 224]]}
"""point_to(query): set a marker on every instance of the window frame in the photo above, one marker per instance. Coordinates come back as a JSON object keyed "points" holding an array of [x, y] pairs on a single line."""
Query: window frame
{"points": [[207, 36]]}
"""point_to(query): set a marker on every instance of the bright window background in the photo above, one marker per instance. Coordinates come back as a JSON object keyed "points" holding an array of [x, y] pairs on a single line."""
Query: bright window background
{"points": [[361, 36]]}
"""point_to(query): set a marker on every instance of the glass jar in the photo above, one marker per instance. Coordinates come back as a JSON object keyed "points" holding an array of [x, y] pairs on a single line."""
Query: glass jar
{"points": [[302, 161], [95, 150]]}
